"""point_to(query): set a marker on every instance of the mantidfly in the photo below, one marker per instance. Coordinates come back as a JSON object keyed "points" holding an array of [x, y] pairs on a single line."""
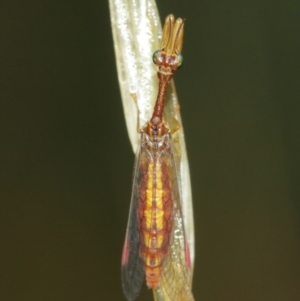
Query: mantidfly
{"points": [[155, 246]]}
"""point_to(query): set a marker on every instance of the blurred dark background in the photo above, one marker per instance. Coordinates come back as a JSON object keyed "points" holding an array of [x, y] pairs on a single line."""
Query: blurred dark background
{"points": [[66, 161]]}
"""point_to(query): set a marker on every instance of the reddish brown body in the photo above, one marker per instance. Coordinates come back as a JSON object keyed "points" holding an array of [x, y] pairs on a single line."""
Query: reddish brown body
{"points": [[155, 245]]}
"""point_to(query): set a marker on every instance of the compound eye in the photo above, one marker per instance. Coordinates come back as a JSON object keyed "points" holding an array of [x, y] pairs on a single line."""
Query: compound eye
{"points": [[155, 56], [180, 60]]}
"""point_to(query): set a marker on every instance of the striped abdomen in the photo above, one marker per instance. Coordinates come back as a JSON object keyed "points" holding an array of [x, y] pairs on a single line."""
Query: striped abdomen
{"points": [[155, 209]]}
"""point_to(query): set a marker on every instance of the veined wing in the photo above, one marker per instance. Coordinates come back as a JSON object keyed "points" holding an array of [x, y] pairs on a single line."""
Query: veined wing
{"points": [[176, 276], [177, 273], [132, 264]]}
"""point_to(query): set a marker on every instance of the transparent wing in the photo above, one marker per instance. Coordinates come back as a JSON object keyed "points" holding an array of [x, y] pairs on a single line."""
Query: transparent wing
{"points": [[183, 172], [132, 264], [176, 276]]}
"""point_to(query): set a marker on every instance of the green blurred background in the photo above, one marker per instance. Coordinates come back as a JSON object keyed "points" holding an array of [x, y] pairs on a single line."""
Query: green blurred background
{"points": [[66, 161]]}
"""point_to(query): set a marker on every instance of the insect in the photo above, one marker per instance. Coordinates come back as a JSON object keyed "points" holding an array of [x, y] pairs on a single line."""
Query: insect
{"points": [[155, 247]]}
